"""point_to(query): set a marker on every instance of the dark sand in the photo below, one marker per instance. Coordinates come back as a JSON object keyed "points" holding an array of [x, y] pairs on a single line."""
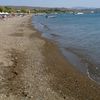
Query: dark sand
{"points": [[65, 79]]}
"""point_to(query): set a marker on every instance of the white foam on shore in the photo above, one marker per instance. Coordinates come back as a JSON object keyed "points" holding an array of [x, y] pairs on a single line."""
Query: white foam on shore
{"points": [[91, 77]]}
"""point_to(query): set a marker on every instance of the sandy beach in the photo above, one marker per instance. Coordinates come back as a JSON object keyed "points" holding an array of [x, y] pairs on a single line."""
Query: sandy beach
{"points": [[32, 68]]}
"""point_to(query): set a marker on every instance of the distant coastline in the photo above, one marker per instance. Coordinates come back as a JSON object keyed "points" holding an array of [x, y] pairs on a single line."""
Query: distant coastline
{"points": [[27, 9]]}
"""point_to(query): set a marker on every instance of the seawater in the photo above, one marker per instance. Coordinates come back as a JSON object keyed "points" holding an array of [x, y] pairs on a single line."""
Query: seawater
{"points": [[78, 38]]}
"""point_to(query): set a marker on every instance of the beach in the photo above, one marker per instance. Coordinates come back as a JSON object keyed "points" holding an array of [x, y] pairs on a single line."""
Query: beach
{"points": [[33, 68]]}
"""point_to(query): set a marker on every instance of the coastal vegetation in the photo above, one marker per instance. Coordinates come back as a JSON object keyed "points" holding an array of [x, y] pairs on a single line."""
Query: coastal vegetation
{"points": [[23, 9], [32, 10], [7, 9]]}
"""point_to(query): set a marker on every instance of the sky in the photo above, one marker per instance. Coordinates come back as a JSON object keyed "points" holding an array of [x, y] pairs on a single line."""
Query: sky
{"points": [[53, 3]]}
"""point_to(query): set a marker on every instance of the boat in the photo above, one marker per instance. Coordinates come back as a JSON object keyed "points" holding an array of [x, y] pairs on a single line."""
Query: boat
{"points": [[79, 13], [50, 16], [92, 12]]}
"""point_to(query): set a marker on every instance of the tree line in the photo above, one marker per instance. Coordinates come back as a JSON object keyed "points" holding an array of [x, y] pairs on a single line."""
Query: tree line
{"points": [[40, 10], [13, 10]]}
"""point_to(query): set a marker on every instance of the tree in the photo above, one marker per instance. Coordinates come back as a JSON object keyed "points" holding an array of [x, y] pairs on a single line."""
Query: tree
{"points": [[23, 10], [1, 9]]}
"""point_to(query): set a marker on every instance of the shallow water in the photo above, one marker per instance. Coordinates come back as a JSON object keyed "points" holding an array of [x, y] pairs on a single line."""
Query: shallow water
{"points": [[78, 37]]}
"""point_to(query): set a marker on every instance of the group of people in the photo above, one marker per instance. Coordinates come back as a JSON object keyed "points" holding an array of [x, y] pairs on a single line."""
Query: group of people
{"points": [[4, 16]]}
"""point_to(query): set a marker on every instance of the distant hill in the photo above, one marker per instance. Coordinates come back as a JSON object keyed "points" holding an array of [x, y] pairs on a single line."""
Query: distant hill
{"points": [[83, 7]]}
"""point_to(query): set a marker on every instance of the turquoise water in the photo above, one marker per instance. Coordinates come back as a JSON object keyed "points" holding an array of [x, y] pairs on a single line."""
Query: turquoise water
{"points": [[78, 38]]}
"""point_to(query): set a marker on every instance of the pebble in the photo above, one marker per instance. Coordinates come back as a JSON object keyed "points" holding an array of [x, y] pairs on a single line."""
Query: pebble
{"points": [[22, 65], [10, 63], [96, 68], [16, 58]]}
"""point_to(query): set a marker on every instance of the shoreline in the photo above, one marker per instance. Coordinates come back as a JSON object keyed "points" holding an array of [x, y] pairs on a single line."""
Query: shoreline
{"points": [[67, 79], [32, 67], [83, 79], [79, 57], [81, 64]]}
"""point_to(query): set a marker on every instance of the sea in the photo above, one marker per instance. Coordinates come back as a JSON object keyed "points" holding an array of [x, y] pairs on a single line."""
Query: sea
{"points": [[77, 37]]}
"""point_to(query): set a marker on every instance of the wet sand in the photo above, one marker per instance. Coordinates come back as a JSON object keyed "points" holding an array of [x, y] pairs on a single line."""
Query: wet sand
{"points": [[66, 80], [32, 68]]}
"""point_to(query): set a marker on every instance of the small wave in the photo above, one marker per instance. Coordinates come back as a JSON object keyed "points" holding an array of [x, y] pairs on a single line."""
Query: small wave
{"points": [[45, 26], [55, 35], [91, 78], [52, 33], [92, 70]]}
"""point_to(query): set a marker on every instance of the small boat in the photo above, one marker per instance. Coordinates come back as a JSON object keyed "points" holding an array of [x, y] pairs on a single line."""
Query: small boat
{"points": [[50, 16], [80, 13], [92, 12]]}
